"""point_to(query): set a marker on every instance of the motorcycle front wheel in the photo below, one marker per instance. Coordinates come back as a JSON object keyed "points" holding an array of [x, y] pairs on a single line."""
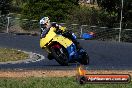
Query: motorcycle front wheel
{"points": [[61, 55]]}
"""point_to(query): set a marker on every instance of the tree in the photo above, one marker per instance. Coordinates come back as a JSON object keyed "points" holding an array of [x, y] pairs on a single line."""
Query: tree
{"points": [[4, 6], [16, 5], [115, 6], [110, 5], [84, 15], [57, 10]]}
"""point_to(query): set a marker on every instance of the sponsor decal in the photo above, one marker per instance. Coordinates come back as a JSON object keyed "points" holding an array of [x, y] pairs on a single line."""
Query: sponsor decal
{"points": [[82, 77]]}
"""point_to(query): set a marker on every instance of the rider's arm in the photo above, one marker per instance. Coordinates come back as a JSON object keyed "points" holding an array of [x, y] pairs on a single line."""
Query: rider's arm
{"points": [[58, 28], [62, 28]]}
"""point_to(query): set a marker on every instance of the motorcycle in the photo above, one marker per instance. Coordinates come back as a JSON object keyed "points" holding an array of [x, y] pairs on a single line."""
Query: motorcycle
{"points": [[62, 49]]}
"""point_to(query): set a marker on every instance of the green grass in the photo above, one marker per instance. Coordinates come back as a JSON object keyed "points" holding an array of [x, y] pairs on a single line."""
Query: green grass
{"points": [[11, 55], [65, 82]]}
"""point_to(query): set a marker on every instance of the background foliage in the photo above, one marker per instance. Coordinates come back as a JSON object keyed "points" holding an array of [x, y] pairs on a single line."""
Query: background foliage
{"points": [[106, 14], [114, 6], [70, 11], [57, 10], [91, 16]]}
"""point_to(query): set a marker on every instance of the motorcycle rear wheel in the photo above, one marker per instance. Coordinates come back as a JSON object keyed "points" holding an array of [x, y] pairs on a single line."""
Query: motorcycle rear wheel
{"points": [[85, 59]]}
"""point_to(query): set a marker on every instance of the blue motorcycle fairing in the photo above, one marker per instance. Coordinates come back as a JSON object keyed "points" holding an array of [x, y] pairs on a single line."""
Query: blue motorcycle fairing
{"points": [[72, 52]]}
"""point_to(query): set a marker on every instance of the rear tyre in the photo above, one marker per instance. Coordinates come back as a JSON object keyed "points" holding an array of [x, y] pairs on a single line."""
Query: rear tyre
{"points": [[61, 55], [84, 60]]}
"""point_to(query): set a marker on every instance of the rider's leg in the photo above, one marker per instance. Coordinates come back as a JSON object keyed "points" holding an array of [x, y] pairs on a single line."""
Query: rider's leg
{"points": [[78, 46], [71, 36]]}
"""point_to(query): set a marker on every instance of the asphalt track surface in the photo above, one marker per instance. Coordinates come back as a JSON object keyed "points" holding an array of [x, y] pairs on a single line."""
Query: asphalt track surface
{"points": [[103, 55]]}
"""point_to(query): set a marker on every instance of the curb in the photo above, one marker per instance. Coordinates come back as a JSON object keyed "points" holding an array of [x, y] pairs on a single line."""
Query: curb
{"points": [[33, 57]]}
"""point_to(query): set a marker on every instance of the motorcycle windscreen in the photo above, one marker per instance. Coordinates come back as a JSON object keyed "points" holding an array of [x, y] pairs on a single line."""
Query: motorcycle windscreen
{"points": [[49, 36]]}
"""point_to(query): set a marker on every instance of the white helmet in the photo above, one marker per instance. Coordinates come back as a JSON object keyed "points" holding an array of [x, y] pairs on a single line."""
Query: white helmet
{"points": [[44, 20]]}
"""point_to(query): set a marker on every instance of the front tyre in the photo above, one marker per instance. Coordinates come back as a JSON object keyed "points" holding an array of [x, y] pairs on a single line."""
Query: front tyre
{"points": [[61, 55], [50, 56]]}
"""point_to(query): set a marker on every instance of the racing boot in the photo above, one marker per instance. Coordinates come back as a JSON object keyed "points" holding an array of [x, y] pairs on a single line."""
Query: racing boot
{"points": [[78, 46]]}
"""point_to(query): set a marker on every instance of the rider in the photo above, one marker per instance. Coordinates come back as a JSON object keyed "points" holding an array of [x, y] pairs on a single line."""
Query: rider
{"points": [[45, 25]]}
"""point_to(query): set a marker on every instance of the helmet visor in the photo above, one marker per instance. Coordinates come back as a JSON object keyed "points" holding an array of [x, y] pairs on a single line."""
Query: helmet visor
{"points": [[43, 25]]}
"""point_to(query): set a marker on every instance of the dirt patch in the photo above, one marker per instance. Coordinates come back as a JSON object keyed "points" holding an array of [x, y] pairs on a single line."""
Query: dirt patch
{"points": [[56, 73]]}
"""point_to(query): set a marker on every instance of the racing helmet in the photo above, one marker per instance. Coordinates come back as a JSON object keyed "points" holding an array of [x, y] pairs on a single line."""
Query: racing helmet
{"points": [[44, 21]]}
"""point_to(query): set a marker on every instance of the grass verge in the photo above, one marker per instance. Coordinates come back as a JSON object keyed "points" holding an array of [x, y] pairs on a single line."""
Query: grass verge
{"points": [[11, 55], [55, 82]]}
